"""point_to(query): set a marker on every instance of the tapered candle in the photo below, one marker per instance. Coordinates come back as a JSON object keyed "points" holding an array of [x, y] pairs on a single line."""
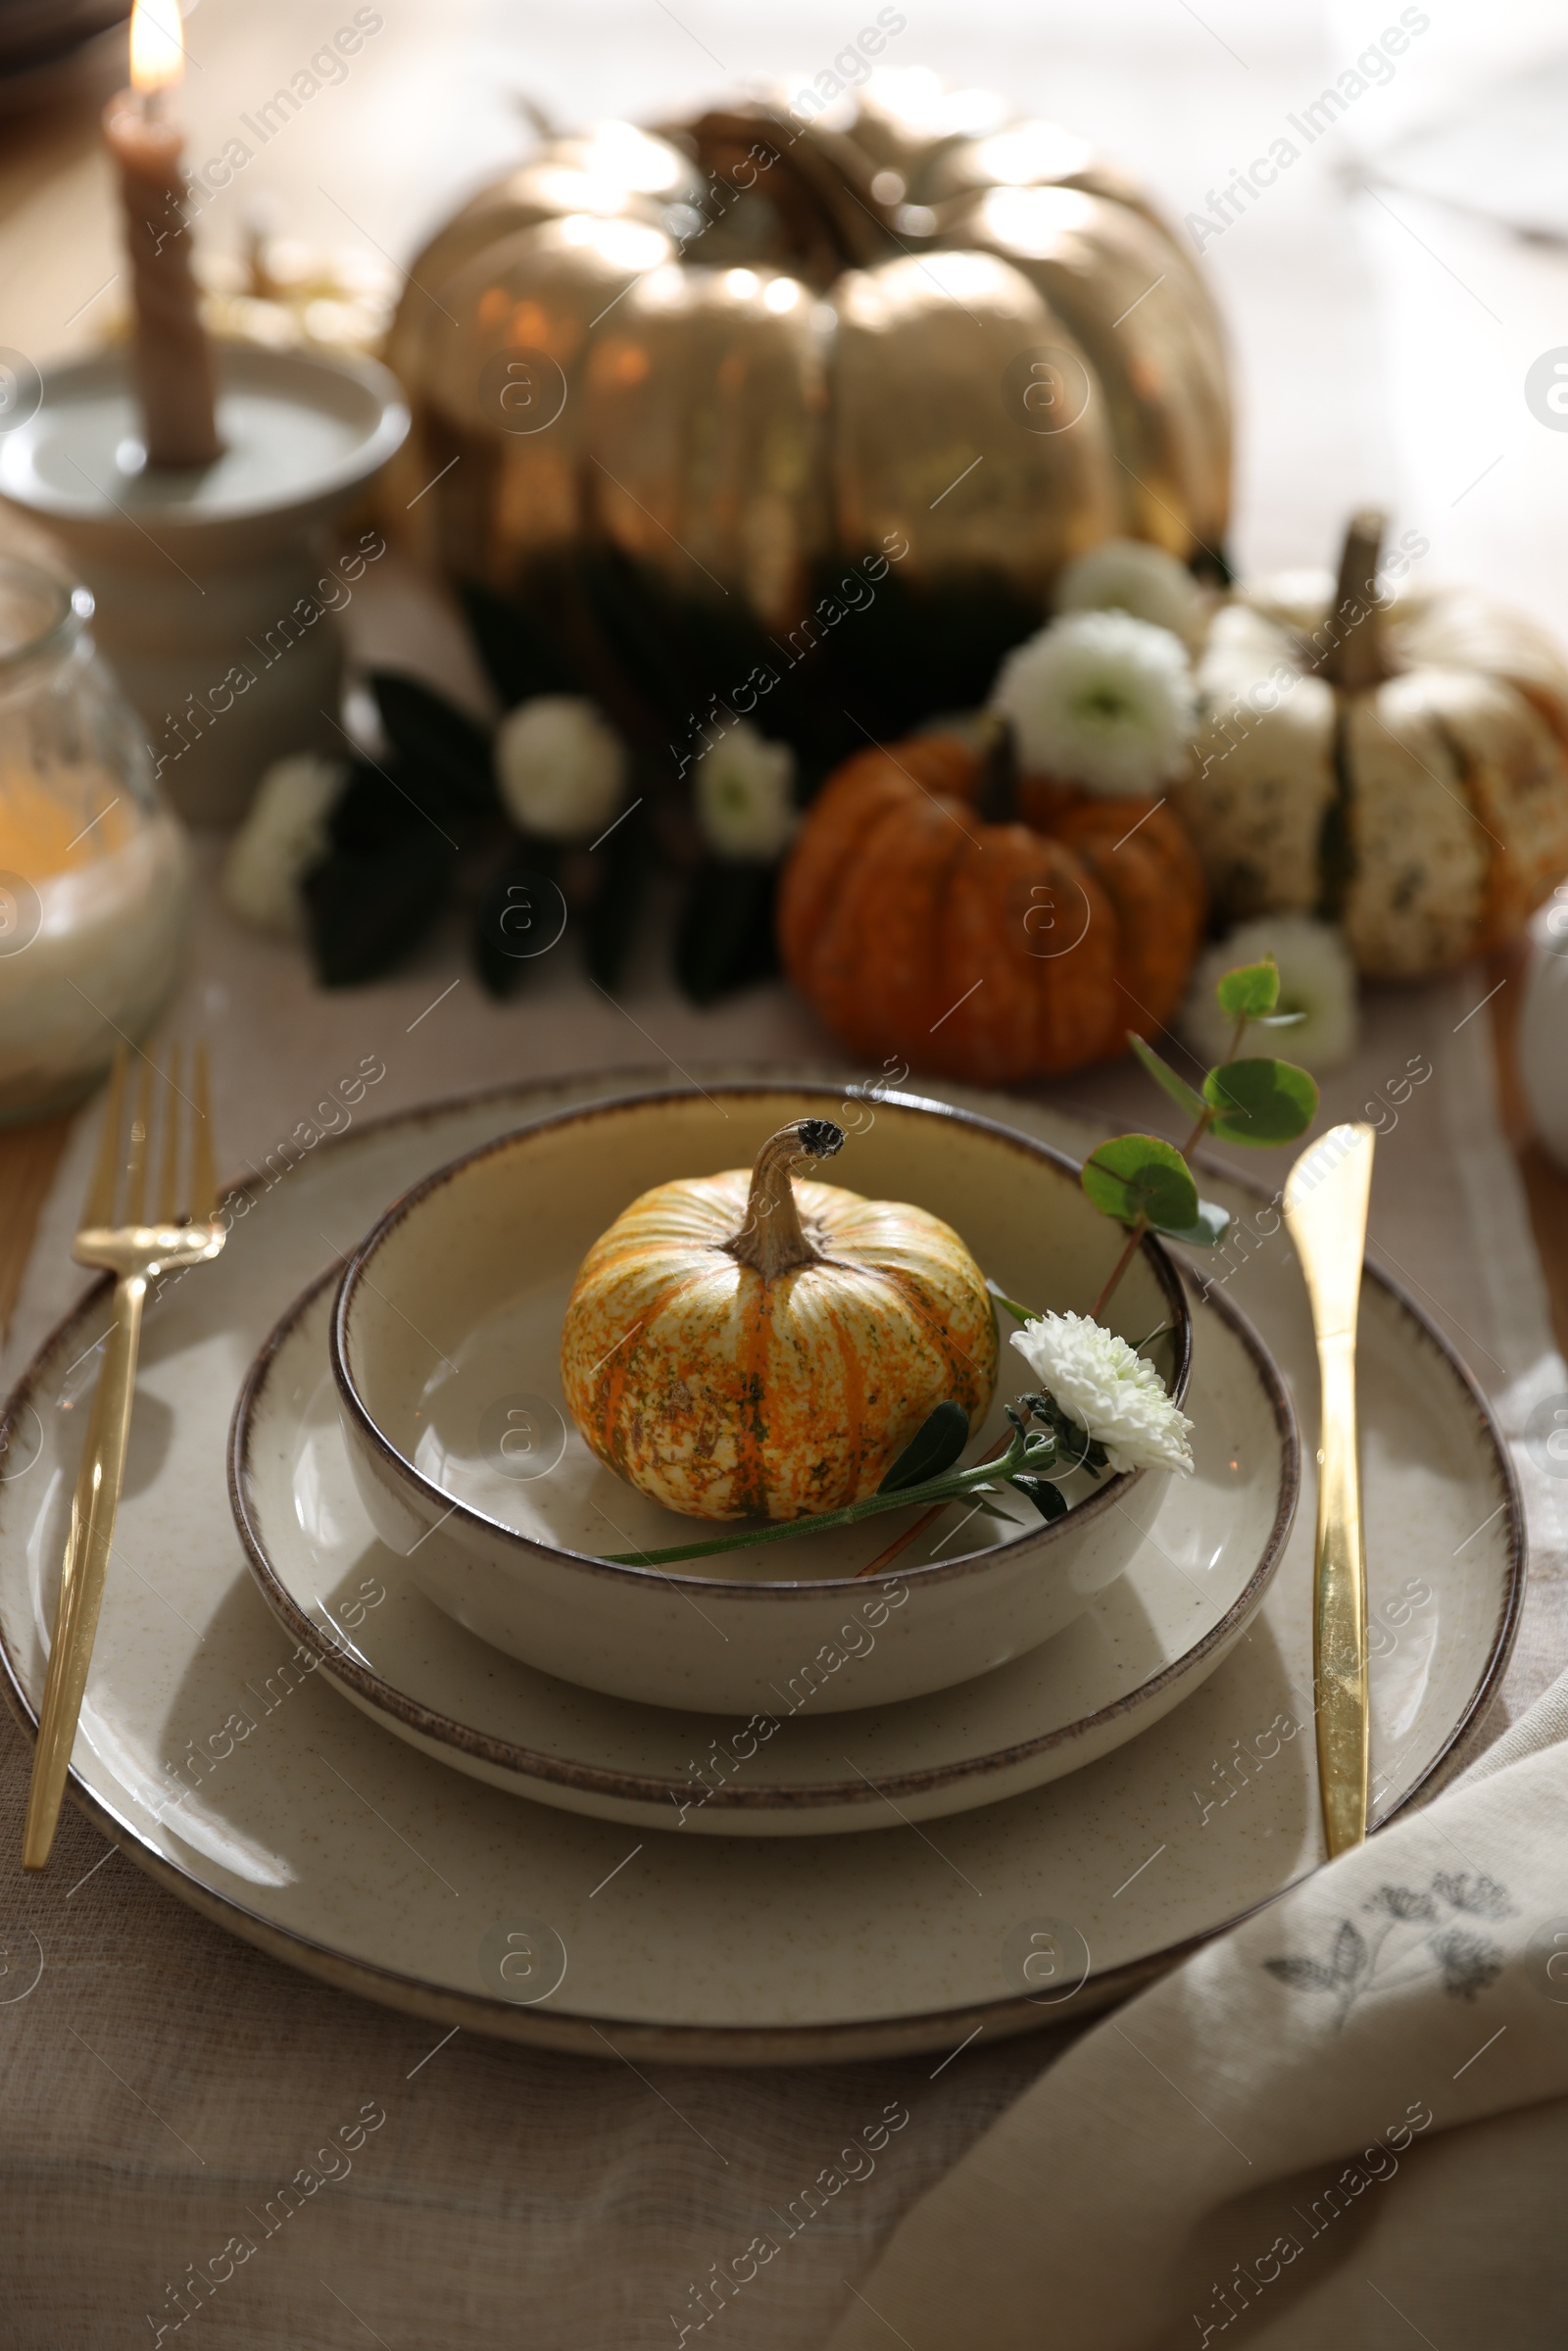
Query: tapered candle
{"points": [[171, 357]]}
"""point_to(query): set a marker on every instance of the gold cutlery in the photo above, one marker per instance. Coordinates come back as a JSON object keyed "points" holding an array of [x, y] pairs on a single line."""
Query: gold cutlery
{"points": [[135, 1251], [1325, 1213]]}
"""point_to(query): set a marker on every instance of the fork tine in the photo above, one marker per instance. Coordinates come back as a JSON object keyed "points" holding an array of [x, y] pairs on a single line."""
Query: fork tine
{"points": [[203, 1180], [98, 1208], [167, 1208], [136, 1164]]}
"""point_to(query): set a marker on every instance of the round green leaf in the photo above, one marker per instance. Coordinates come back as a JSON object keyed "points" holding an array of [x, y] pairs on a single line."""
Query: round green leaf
{"points": [[1260, 1101], [1140, 1176], [1251, 990], [1207, 1230]]}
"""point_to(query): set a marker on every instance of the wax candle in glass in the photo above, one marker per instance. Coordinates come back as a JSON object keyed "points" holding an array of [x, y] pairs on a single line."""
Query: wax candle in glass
{"points": [[94, 869]]}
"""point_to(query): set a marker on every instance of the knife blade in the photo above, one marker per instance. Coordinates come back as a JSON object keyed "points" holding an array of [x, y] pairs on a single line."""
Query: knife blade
{"points": [[1326, 1195]]}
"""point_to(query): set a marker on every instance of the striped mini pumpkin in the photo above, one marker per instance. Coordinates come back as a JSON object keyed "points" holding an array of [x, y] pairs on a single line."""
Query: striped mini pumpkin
{"points": [[1393, 762], [736, 1345]]}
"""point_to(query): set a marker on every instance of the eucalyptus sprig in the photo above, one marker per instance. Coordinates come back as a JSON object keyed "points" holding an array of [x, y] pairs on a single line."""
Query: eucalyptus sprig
{"points": [[1145, 1182], [1041, 1439]]}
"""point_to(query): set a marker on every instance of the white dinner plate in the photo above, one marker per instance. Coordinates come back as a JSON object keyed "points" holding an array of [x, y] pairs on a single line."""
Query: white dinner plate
{"points": [[226, 1770], [1196, 1581]]}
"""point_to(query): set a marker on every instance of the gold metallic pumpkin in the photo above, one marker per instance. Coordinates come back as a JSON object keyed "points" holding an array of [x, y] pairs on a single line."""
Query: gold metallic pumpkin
{"points": [[734, 1345], [751, 349]]}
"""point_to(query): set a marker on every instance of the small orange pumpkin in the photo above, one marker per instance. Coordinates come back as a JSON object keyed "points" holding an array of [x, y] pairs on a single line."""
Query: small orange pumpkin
{"points": [[736, 1348], [920, 917]]}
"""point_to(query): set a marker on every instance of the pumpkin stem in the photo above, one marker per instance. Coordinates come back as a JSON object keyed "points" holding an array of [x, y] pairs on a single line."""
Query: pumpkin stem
{"points": [[996, 796], [772, 1240], [1356, 657]]}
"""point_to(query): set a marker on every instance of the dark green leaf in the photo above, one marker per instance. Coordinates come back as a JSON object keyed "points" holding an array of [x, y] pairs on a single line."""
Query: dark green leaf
{"points": [[934, 1447], [521, 917], [1260, 1101], [521, 658], [1185, 1097], [611, 920], [432, 738], [1207, 1229], [1048, 1500], [367, 910], [726, 932], [371, 811], [1249, 991], [1139, 1175]]}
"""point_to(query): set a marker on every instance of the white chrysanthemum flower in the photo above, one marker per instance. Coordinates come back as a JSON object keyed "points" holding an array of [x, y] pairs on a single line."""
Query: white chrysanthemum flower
{"points": [[1101, 700], [1102, 1384], [1130, 576], [744, 792], [283, 834], [1317, 978], [561, 767]]}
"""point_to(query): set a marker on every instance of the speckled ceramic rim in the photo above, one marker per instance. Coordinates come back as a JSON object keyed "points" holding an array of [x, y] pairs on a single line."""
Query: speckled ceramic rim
{"points": [[740, 2044], [435, 1502], [782, 1796]]}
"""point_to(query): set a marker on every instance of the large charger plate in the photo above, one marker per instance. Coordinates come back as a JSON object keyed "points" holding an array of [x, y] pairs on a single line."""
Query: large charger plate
{"points": [[238, 1782]]}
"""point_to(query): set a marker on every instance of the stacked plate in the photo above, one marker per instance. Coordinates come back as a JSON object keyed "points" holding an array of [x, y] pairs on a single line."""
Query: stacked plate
{"points": [[745, 1815]]}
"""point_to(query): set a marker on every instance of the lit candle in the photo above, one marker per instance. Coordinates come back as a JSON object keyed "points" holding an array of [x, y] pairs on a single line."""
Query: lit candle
{"points": [[171, 356]]}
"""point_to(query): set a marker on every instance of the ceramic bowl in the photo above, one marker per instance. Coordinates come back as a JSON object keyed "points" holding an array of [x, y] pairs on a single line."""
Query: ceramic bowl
{"points": [[445, 1343], [355, 1609]]}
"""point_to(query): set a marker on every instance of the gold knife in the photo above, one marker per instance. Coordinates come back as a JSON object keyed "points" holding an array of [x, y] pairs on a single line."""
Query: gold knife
{"points": [[1325, 1213]]}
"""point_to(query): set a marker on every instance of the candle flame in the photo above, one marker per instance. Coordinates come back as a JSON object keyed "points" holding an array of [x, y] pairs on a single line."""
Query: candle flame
{"points": [[157, 45]]}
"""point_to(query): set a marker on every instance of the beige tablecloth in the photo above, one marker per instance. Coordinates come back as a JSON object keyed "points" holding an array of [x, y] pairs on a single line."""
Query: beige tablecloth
{"points": [[161, 2080], [1347, 2123]]}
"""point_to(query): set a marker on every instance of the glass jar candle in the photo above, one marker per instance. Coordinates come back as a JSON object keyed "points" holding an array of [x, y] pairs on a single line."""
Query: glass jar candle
{"points": [[95, 877]]}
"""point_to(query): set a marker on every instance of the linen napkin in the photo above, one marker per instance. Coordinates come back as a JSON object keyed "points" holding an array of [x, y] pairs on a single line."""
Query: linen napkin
{"points": [[1345, 2123]]}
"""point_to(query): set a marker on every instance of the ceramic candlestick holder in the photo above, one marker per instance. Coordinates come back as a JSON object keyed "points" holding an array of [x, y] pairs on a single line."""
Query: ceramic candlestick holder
{"points": [[215, 589]]}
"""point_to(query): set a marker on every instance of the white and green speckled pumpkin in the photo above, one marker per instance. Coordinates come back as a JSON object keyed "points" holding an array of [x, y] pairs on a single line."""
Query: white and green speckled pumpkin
{"points": [[1397, 762]]}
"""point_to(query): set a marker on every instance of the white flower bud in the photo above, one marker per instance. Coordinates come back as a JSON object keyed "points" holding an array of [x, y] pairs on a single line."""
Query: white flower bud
{"points": [[1100, 700], [283, 835], [1129, 575], [745, 794], [561, 767]]}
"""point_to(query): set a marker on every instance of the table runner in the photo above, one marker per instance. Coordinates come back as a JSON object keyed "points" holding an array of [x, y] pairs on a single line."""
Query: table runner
{"points": [[158, 2082]]}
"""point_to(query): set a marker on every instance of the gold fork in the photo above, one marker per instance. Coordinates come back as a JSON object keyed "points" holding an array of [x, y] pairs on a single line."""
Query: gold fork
{"points": [[182, 1230]]}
